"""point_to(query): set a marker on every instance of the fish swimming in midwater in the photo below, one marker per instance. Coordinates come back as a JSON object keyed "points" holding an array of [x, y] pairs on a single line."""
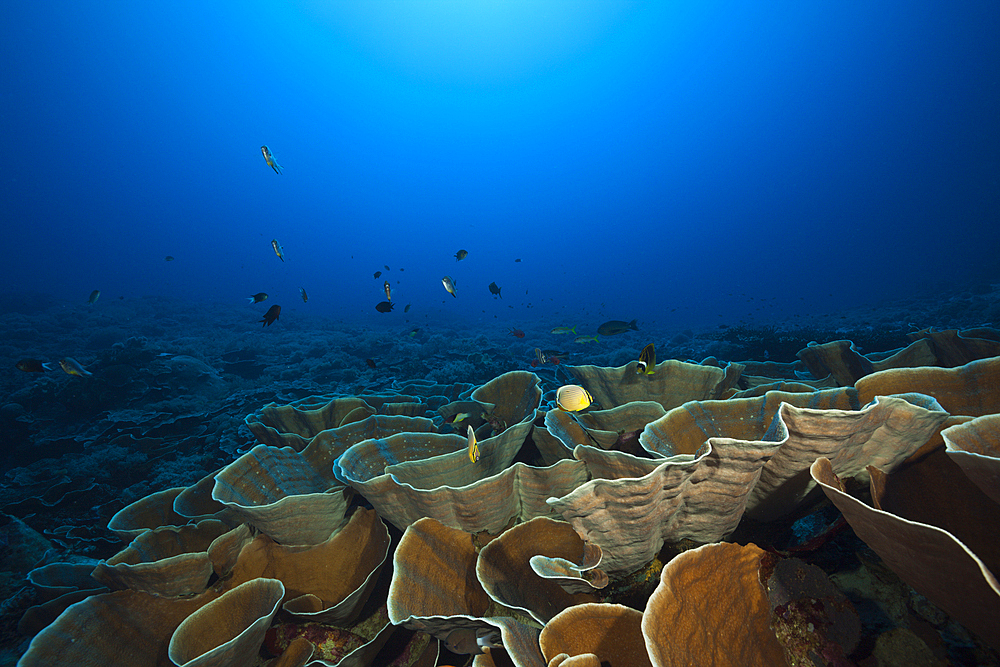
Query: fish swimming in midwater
{"points": [[388, 291], [377, 274], [258, 297], [573, 398], [386, 267], [516, 333], [33, 366], [473, 445], [270, 316], [271, 162], [615, 327], [407, 308], [540, 357], [371, 363], [495, 290], [584, 339], [449, 285], [461, 254], [277, 249], [169, 258], [94, 296], [302, 293], [647, 361], [73, 367], [384, 306], [563, 330], [518, 259]]}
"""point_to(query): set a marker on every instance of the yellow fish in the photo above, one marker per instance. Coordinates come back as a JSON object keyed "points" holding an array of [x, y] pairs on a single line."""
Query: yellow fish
{"points": [[647, 360], [73, 367], [277, 249], [573, 398], [388, 291], [473, 446], [270, 159], [564, 330]]}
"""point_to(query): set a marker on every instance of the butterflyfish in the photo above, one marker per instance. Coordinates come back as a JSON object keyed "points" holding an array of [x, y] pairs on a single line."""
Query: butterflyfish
{"points": [[278, 250], [573, 398], [266, 152], [473, 445], [647, 360], [94, 296], [73, 367], [388, 291]]}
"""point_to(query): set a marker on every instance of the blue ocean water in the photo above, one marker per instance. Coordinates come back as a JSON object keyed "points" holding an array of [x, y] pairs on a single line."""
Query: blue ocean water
{"points": [[636, 157]]}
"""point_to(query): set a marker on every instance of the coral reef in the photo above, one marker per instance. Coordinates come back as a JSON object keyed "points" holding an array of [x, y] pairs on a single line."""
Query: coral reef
{"points": [[691, 516]]}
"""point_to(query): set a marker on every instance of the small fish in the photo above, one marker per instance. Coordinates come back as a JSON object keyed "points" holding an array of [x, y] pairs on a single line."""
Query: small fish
{"points": [[94, 296], [473, 445], [73, 367], [266, 152], [516, 333], [573, 398], [647, 361], [457, 418], [377, 274], [388, 291], [615, 327], [370, 362], [386, 267], [414, 332], [277, 249], [258, 297], [518, 259], [384, 306], [495, 290], [407, 308], [584, 339], [270, 316], [302, 293], [540, 357], [33, 366], [169, 258], [461, 254], [564, 330], [449, 285]]}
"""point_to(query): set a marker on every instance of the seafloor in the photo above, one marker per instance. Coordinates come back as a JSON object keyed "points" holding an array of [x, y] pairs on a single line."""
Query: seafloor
{"points": [[172, 384]]}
